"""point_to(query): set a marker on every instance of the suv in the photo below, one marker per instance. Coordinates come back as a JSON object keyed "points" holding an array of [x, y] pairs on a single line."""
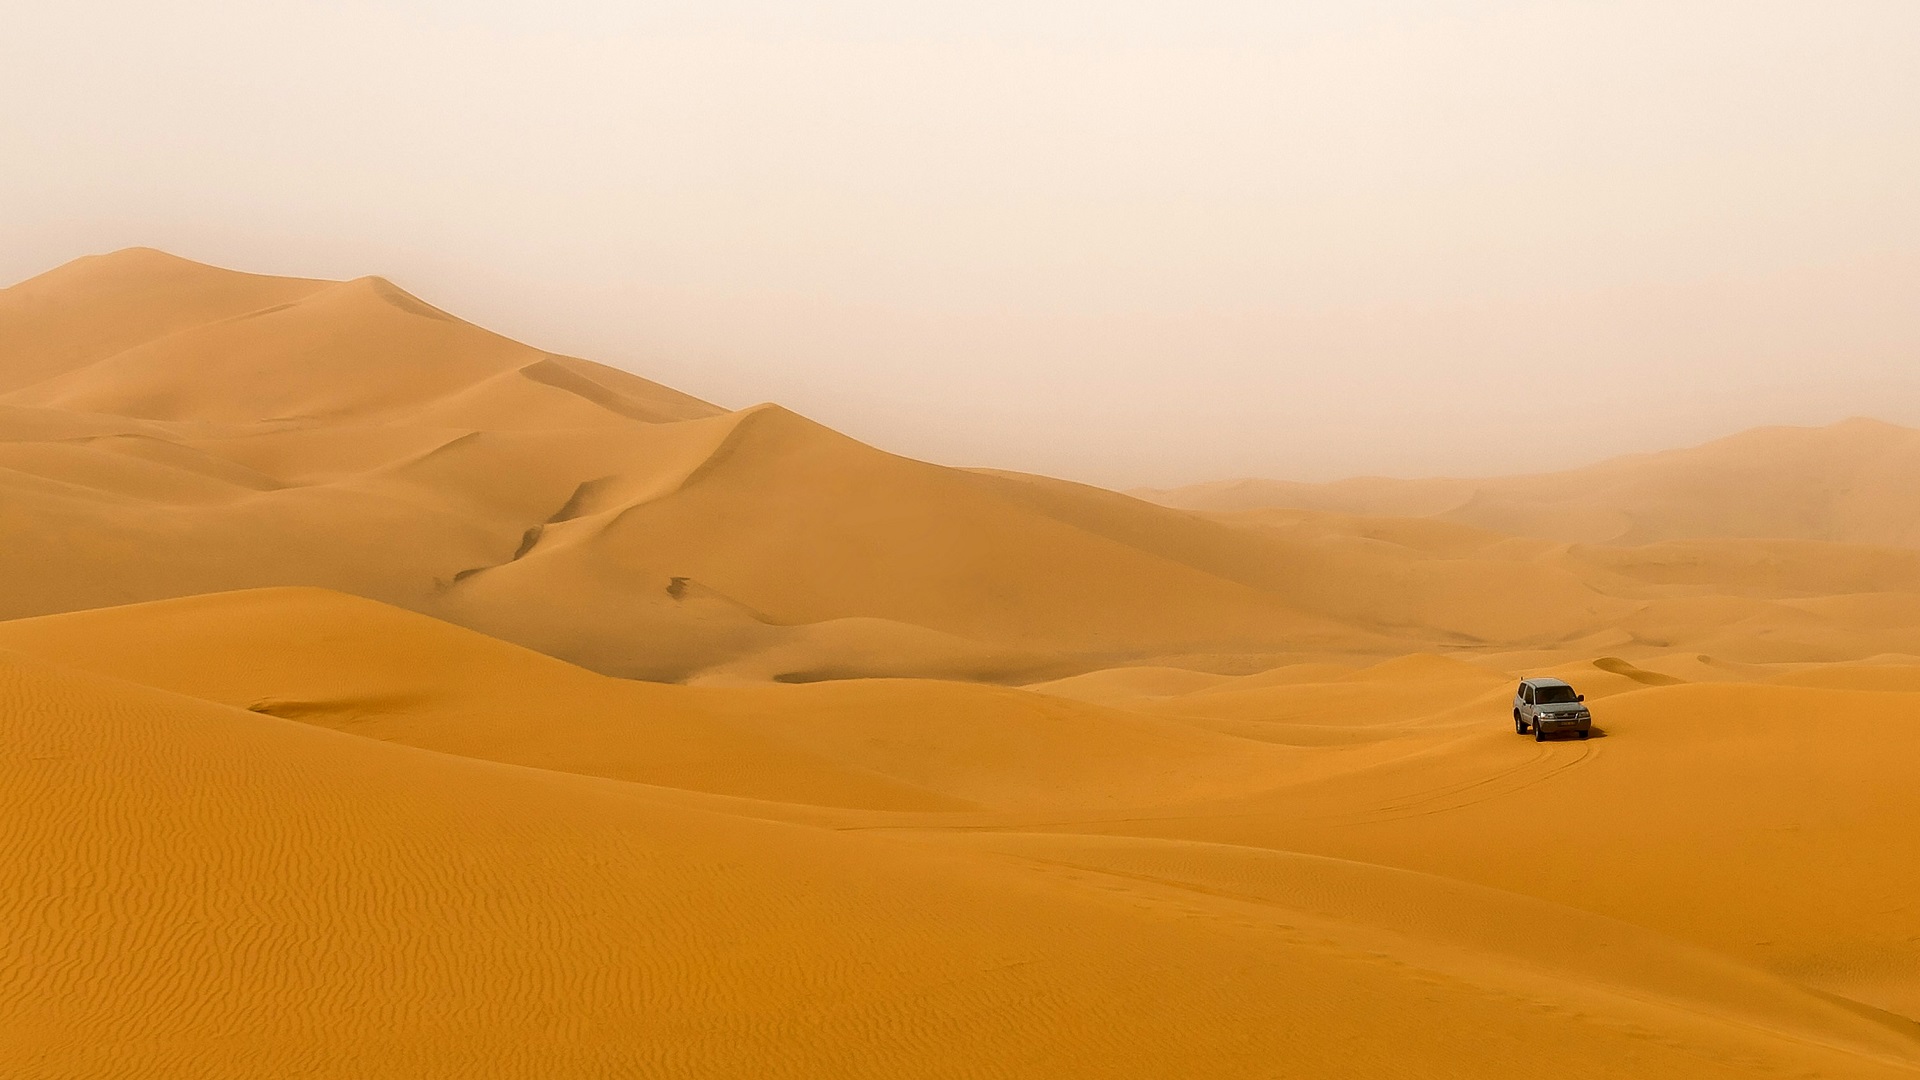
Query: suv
{"points": [[1544, 706]]}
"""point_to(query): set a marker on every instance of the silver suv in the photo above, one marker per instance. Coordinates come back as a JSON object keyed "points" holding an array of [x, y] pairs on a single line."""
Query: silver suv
{"points": [[1544, 706]]}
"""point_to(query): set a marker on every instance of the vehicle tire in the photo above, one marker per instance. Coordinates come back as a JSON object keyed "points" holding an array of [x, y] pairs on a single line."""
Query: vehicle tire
{"points": [[1539, 733], [1519, 725], [1584, 732]]}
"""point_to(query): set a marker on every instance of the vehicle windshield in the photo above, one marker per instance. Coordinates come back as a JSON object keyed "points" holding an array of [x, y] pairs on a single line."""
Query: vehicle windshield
{"points": [[1553, 695]]}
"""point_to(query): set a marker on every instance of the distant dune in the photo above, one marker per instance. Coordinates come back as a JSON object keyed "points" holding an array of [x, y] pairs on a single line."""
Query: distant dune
{"points": [[380, 697], [1856, 482]]}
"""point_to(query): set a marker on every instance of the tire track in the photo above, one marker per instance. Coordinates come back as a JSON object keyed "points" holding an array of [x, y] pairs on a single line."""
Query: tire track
{"points": [[1485, 789]]}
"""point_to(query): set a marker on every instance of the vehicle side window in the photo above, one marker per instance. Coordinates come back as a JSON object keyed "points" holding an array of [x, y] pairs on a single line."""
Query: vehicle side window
{"points": [[1526, 694], [1520, 692]]}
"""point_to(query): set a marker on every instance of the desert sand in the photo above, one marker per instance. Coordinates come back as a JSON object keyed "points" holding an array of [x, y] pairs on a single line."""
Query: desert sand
{"points": [[383, 697]]}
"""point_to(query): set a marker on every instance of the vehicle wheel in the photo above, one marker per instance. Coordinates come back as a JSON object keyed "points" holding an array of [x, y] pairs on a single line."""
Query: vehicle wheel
{"points": [[1539, 733], [1585, 732], [1519, 725]]}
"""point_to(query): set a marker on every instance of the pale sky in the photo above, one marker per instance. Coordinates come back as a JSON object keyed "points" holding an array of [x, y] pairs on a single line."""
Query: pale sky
{"points": [[1130, 242]]}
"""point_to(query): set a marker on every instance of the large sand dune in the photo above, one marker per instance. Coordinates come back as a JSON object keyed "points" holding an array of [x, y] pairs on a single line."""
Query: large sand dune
{"points": [[170, 429], [355, 438], [383, 697]]}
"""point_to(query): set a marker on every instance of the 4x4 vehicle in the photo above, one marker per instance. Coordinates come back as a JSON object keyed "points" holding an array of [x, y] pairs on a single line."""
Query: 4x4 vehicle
{"points": [[1544, 706]]}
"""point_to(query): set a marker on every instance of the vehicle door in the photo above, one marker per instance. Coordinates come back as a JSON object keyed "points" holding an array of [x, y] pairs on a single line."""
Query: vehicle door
{"points": [[1527, 707]]}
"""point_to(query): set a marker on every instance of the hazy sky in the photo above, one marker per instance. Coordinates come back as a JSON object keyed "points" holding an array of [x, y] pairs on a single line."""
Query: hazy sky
{"points": [[1127, 241]]}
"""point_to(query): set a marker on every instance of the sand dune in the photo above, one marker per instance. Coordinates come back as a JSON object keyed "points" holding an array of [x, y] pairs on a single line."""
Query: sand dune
{"points": [[341, 662], [302, 435], [174, 429], [276, 350], [1853, 482], [94, 308], [1437, 895], [325, 750]]}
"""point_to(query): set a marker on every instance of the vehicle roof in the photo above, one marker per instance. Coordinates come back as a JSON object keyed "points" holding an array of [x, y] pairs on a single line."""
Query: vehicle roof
{"points": [[1547, 682]]}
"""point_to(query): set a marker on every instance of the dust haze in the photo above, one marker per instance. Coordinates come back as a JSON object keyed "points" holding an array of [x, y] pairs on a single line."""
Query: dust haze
{"points": [[1135, 244]]}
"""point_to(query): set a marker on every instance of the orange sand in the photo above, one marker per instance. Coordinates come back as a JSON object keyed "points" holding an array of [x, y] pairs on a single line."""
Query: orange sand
{"points": [[315, 758]]}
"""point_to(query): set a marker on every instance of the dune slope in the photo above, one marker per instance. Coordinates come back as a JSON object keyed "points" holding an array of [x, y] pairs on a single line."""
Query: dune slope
{"points": [[283, 897]]}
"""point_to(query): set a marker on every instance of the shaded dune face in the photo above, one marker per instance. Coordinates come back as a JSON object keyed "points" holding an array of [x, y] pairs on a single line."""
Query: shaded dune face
{"points": [[383, 697]]}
